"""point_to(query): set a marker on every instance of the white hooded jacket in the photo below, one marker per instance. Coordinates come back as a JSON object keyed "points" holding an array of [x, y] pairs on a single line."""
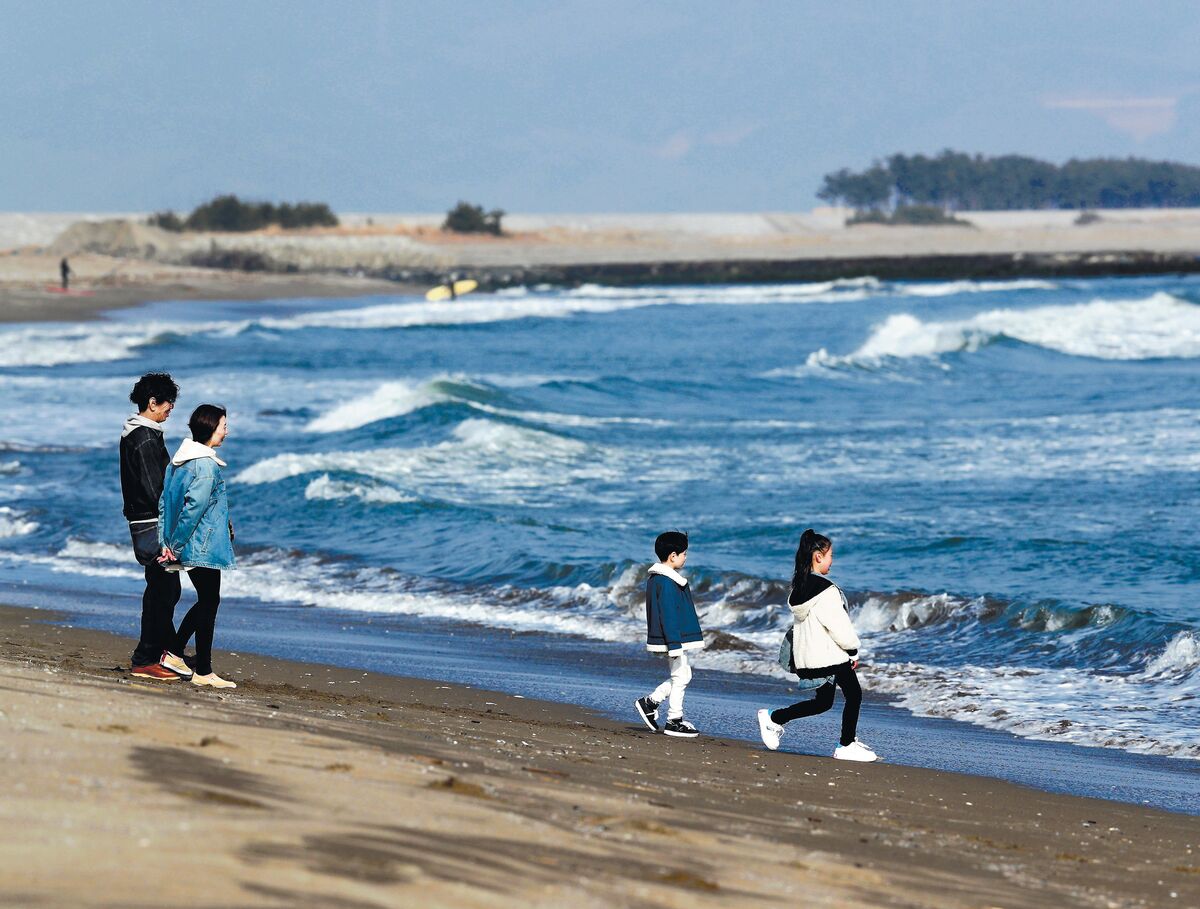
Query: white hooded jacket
{"points": [[823, 635], [190, 450]]}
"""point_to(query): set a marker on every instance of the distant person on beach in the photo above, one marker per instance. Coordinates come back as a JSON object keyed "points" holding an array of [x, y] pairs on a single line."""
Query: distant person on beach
{"points": [[143, 464], [195, 529], [672, 629], [824, 646], [64, 269]]}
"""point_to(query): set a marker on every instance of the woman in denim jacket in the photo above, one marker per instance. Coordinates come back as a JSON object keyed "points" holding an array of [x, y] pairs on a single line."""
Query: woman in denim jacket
{"points": [[194, 526]]}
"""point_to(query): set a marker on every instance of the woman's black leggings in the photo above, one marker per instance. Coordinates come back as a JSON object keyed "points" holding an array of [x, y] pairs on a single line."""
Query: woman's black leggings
{"points": [[845, 678], [201, 619]]}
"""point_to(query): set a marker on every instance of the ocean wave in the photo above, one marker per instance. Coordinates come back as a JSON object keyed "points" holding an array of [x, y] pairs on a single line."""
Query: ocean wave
{"points": [[400, 397], [484, 461], [1159, 326], [950, 288], [702, 293], [58, 345], [325, 488], [1179, 659], [14, 523], [1138, 712], [8, 468], [387, 401], [590, 299]]}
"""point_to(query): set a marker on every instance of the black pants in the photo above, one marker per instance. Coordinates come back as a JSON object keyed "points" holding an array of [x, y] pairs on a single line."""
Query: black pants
{"points": [[159, 600], [201, 619], [845, 678]]}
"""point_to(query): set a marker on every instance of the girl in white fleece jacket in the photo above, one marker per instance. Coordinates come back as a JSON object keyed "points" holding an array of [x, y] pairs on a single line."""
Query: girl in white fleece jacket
{"points": [[824, 645]]}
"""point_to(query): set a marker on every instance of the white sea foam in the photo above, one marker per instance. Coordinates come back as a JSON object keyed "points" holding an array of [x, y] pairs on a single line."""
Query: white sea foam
{"points": [[950, 288], [14, 523], [397, 398], [483, 461], [1155, 327], [323, 487], [92, 342], [7, 468], [1181, 657], [482, 309], [1133, 712], [901, 613], [387, 401], [98, 560]]}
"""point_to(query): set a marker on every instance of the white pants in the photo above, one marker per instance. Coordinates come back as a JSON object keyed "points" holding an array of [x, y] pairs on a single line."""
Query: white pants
{"points": [[673, 688]]}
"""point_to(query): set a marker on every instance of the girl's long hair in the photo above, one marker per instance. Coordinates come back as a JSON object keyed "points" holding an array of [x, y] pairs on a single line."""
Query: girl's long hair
{"points": [[810, 542]]}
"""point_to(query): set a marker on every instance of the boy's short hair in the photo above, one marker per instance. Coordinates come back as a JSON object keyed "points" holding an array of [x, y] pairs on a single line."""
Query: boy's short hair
{"points": [[157, 385], [669, 542]]}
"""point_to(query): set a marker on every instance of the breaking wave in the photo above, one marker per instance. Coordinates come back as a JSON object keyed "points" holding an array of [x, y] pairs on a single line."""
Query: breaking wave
{"points": [[1156, 327], [14, 523]]}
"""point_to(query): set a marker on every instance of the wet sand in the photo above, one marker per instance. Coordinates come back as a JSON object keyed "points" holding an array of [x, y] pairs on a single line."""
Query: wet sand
{"points": [[323, 787], [29, 286]]}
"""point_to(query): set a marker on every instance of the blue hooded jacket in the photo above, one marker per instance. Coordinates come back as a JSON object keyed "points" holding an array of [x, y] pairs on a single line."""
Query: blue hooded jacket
{"points": [[671, 623], [193, 512]]}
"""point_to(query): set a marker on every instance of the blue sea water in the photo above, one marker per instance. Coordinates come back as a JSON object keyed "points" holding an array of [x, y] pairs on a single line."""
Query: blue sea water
{"points": [[1008, 470]]}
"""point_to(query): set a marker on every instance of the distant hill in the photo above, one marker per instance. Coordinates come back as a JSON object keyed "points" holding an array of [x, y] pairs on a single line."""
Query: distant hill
{"points": [[962, 182]]}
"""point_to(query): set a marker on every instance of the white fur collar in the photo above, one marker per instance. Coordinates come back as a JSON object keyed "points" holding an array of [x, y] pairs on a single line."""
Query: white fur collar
{"points": [[668, 572], [190, 450]]}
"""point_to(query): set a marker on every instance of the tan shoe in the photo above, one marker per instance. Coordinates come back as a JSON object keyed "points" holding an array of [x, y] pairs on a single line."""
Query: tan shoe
{"points": [[212, 680], [175, 664]]}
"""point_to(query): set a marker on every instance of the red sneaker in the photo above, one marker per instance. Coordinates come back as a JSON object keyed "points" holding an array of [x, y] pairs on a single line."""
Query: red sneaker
{"points": [[154, 671]]}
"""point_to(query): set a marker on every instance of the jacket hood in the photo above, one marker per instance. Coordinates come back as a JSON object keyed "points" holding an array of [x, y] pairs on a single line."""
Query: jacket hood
{"points": [[138, 420], [814, 586], [191, 450], [668, 572]]}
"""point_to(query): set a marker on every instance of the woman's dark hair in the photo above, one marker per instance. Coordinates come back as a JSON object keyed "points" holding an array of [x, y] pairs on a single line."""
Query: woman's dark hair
{"points": [[810, 542], [669, 542], [204, 421], [157, 385]]}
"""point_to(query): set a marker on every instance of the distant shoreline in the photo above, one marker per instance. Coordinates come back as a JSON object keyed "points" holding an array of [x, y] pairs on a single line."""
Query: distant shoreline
{"points": [[41, 304], [38, 304], [772, 271], [123, 261]]}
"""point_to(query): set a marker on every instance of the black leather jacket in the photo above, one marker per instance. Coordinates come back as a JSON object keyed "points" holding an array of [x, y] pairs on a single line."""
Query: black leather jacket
{"points": [[143, 462]]}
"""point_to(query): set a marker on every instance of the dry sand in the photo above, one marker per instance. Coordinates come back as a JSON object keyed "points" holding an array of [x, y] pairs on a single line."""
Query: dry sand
{"points": [[311, 786]]}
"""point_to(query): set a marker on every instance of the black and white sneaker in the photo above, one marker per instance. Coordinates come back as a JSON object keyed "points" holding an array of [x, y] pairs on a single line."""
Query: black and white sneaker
{"points": [[648, 711], [680, 728]]}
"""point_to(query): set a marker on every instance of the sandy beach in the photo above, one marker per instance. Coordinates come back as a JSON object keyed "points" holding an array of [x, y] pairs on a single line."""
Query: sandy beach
{"points": [[316, 786], [29, 293]]}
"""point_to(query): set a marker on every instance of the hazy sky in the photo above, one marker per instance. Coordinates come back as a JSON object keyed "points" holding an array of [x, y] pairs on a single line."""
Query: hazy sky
{"points": [[565, 106]]}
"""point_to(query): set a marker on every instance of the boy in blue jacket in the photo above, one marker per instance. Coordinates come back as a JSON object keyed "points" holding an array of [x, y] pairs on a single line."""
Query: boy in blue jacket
{"points": [[673, 629]]}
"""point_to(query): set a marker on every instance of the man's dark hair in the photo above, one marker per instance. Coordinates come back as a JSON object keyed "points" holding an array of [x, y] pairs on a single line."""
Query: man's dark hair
{"points": [[204, 421], [669, 542], [157, 385]]}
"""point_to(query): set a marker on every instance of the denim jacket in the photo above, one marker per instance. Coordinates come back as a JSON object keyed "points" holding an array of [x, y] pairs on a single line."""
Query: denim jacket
{"points": [[193, 512]]}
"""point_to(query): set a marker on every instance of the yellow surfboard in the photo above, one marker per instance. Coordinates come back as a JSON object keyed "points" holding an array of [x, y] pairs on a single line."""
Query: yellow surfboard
{"points": [[442, 291]]}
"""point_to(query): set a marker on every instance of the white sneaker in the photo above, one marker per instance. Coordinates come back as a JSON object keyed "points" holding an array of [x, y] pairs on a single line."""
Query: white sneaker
{"points": [[175, 664], [212, 680], [855, 751], [770, 731]]}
